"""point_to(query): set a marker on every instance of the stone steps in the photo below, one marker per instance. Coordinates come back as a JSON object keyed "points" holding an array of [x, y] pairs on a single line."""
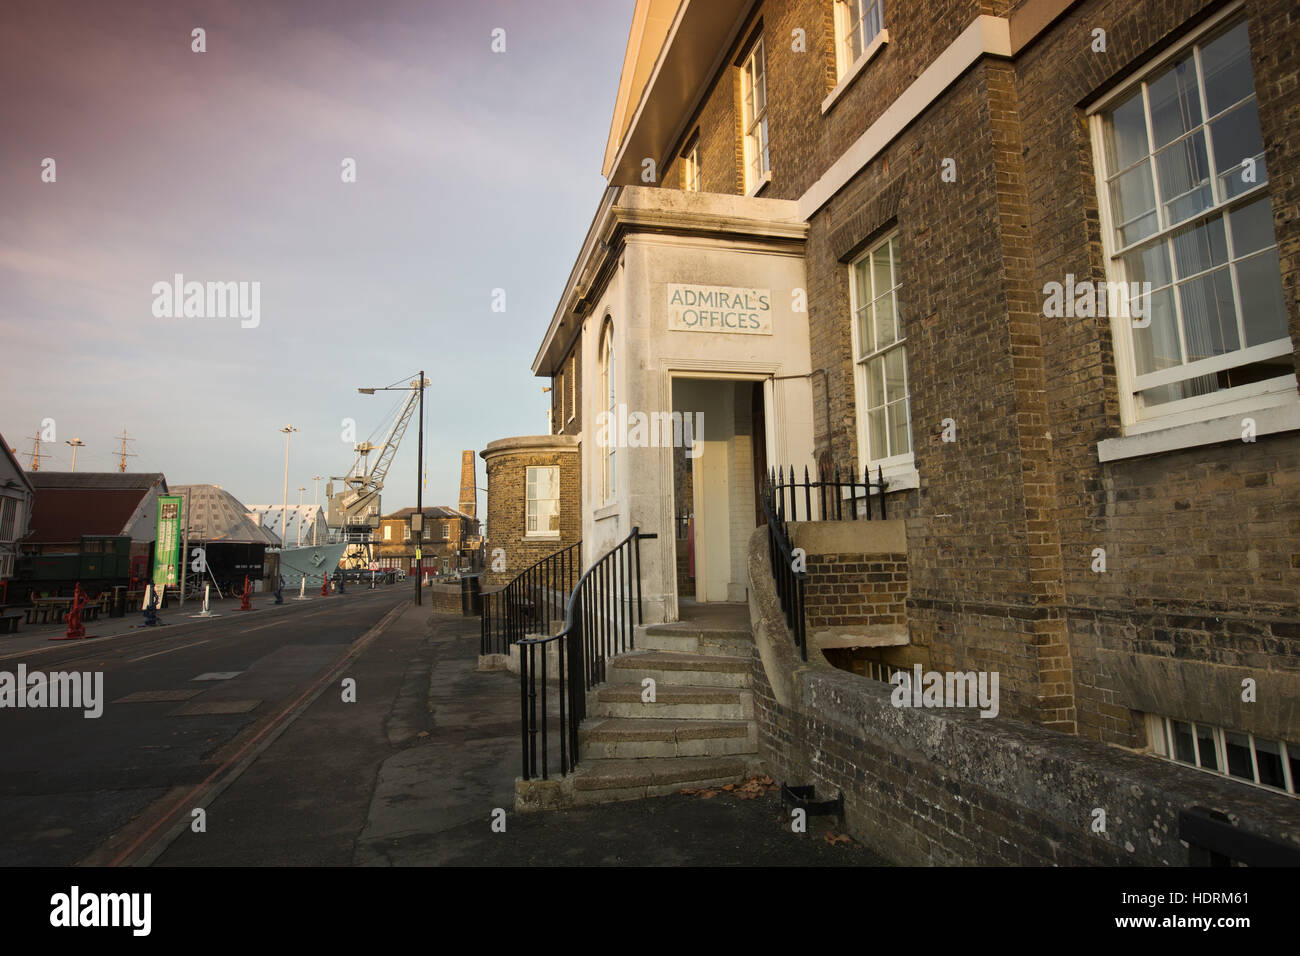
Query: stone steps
{"points": [[673, 702], [697, 670], [611, 780], [640, 737]]}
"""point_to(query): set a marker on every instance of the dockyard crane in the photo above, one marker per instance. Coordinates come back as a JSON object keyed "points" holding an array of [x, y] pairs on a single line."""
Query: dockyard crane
{"points": [[356, 507]]}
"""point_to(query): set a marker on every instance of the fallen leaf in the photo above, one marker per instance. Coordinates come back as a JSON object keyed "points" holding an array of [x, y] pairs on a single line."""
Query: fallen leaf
{"points": [[728, 786], [707, 794]]}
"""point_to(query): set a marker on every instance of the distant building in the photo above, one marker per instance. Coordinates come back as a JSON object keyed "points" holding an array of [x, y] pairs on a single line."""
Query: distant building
{"points": [[306, 523], [234, 546], [68, 508], [447, 543], [16, 494]]}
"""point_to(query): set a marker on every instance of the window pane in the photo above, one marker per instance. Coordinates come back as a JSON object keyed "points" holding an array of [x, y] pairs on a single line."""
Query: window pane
{"points": [[1157, 346], [1133, 199], [895, 375], [1226, 64], [1236, 136], [900, 438], [880, 271], [876, 382], [1209, 315], [1149, 265], [1205, 741], [863, 319], [1237, 747], [885, 320], [1259, 283], [1183, 751], [1126, 134], [1268, 757], [876, 434], [1293, 758], [1252, 227], [1201, 248], [1175, 103], [1184, 172]]}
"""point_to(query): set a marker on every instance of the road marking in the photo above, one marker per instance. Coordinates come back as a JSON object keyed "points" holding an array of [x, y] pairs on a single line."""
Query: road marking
{"points": [[217, 675], [207, 791], [132, 660], [158, 697], [207, 707]]}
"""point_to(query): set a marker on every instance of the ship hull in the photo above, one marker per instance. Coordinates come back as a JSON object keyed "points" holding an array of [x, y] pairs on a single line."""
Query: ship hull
{"points": [[311, 562]]}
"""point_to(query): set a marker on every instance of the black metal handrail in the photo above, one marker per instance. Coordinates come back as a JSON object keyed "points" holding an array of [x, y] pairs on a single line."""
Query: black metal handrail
{"points": [[598, 624], [832, 485], [532, 601], [790, 581]]}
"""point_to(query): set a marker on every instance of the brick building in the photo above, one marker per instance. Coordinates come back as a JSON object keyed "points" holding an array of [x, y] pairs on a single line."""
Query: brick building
{"points": [[448, 542], [533, 501], [916, 239]]}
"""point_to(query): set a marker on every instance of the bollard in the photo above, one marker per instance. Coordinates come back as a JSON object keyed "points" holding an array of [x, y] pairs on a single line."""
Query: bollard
{"points": [[244, 603], [76, 629], [302, 589], [324, 584]]}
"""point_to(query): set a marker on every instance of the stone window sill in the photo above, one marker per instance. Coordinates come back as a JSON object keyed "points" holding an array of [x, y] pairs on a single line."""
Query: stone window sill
{"points": [[852, 72], [609, 511], [1268, 421]]}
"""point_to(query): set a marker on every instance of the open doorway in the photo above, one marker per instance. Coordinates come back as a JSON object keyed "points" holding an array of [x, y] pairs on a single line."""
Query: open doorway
{"points": [[715, 486]]}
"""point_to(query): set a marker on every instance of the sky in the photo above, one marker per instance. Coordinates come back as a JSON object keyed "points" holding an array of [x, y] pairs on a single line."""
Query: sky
{"points": [[475, 171]]}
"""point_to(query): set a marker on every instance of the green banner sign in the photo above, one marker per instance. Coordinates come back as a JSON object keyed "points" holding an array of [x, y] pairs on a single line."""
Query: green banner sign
{"points": [[167, 544]]}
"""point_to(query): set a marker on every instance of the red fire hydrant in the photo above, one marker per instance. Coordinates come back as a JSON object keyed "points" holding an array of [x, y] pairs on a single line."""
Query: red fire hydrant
{"points": [[244, 603]]}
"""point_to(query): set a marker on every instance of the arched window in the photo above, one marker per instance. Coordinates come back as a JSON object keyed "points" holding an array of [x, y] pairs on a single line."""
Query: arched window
{"points": [[607, 398]]}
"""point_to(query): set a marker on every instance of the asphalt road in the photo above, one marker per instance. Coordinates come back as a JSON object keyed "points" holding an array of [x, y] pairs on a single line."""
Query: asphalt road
{"points": [[98, 790]]}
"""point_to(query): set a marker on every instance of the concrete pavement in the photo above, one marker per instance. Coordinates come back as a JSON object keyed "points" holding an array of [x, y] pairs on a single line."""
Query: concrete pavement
{"points": [[412, 773]]}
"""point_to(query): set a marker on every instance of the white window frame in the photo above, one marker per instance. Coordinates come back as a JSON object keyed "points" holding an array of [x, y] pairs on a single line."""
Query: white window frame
{"points": [[854, 16], [608, 398], [530, 517], [446, 531], [1160, 736], [1137, 418], [388, 532], [573, 386], [406, 532], [897, 465], [691, 167], [753, 90]]}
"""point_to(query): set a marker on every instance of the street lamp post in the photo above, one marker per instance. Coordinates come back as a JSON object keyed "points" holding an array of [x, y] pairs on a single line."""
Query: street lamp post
{"points": [[284, 504], [421, 384], [75, 443], [301, 489], [315, 506]]}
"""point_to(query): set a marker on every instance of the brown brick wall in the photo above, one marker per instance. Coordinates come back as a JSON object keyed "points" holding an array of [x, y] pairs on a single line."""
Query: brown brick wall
{"points": [[846, 589], [1203, 545], [508, 510]]}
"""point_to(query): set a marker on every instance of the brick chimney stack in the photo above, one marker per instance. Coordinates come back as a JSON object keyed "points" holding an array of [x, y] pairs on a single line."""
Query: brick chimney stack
{"points": [[467, 493]]}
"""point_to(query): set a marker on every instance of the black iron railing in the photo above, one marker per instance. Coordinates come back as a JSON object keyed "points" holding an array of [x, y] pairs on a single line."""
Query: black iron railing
{"points": [[834, 497], [599, 623], [532, 602], [790, 578]]}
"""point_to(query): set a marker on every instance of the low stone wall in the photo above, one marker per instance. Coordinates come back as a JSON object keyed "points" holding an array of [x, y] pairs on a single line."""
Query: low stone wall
{"points": [[945, 786], [444, 598]]}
